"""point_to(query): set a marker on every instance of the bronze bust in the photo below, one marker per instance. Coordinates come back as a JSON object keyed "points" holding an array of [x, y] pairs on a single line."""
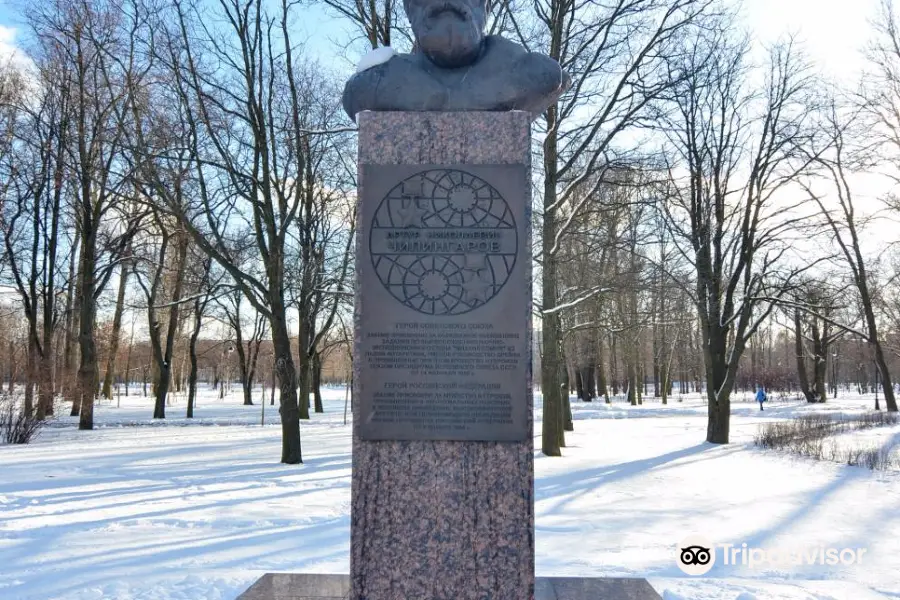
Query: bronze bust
{"points": [[455, 67]]}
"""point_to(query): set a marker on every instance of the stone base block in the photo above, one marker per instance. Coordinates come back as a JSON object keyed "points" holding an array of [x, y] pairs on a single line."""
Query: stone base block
{"points": [[299, 586], [443, 518]]}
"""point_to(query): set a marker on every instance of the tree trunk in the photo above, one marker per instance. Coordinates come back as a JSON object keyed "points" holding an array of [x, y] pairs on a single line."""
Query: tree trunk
{"points": [[44, 367], [128, 359], [247, 385], [871, 323], [254, 357], [614, 365], [303, 361], [666, 382], [32, 388], [588, 383], [272, 388], [45, 399], [602, 389], [163, 355], [192, 378], [665, 355], [565, 396], [51, 248], [820, 364], [30, 353], [880, 362], [87, 371], [161, 390], [243, 358], [180, 379], [291, 452], [642, 383], [317, 382], [73, 303], [821, 390], [116, 333], [631, 374], [243, 364], [192, 354], [800, 355], [303, 385], [657, 377], [13, 368], [552, 432], [887, 386], [718, 395]]}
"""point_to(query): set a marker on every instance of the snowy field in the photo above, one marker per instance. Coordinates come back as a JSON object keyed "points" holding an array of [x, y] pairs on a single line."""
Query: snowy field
{"points": [[196, 511]]}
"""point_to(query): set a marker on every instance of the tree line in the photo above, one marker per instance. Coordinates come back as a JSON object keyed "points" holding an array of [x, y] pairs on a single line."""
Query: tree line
{"points": [[696, 201]]}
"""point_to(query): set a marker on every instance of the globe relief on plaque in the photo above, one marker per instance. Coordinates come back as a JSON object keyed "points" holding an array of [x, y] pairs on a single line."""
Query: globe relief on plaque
{"points": [[443, 242]]}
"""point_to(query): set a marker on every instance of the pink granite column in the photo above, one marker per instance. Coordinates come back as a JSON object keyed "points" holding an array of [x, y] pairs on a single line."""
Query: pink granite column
{"points": [[444, 520]]}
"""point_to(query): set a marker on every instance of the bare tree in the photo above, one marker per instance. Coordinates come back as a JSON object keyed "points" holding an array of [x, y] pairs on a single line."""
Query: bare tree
{"points": [[166, 272], [879, 101], [588, 259], [320, 279], [815, 332], [84, 35], [234, 97], [203, 289], [879, 98], [837, 205], [246, 346], [70, 324], [891, 307], [124, 270], [733, 149], [36, 119], [614, 53]]}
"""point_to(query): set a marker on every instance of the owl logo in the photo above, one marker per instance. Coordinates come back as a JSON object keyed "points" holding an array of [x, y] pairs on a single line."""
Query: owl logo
{"points": [[696, 556]]}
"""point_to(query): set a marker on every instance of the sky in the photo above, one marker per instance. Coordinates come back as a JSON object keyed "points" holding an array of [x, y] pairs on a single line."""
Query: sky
{"points": [[833, 31]]}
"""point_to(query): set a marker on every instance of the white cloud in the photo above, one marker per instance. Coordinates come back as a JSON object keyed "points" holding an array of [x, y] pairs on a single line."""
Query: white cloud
{"points": [[10, 53], [7, 37]]}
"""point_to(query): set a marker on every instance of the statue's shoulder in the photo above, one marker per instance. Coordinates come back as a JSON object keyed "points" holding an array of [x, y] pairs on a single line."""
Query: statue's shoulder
{"points": [[536, 79], [502, 50], [375, 67], [503, 53], [397, 83]]}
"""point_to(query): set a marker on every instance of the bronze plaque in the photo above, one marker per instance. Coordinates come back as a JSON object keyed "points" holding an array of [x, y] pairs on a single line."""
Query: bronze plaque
{"points": [[444, 278]]}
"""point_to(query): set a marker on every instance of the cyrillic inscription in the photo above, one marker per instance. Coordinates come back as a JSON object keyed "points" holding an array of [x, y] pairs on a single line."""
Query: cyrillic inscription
{"points": [[444, 337]]}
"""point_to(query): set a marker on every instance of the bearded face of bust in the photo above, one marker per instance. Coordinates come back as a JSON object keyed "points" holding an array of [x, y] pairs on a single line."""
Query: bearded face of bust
{"points": [[448, 32]]}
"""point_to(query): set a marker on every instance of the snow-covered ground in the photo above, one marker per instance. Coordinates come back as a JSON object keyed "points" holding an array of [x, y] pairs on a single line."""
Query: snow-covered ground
{"points": [[199, 510]]}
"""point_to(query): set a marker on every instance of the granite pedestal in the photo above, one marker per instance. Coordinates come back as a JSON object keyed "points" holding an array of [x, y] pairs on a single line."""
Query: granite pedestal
{"points": [[290, 586], [439, 519]]}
